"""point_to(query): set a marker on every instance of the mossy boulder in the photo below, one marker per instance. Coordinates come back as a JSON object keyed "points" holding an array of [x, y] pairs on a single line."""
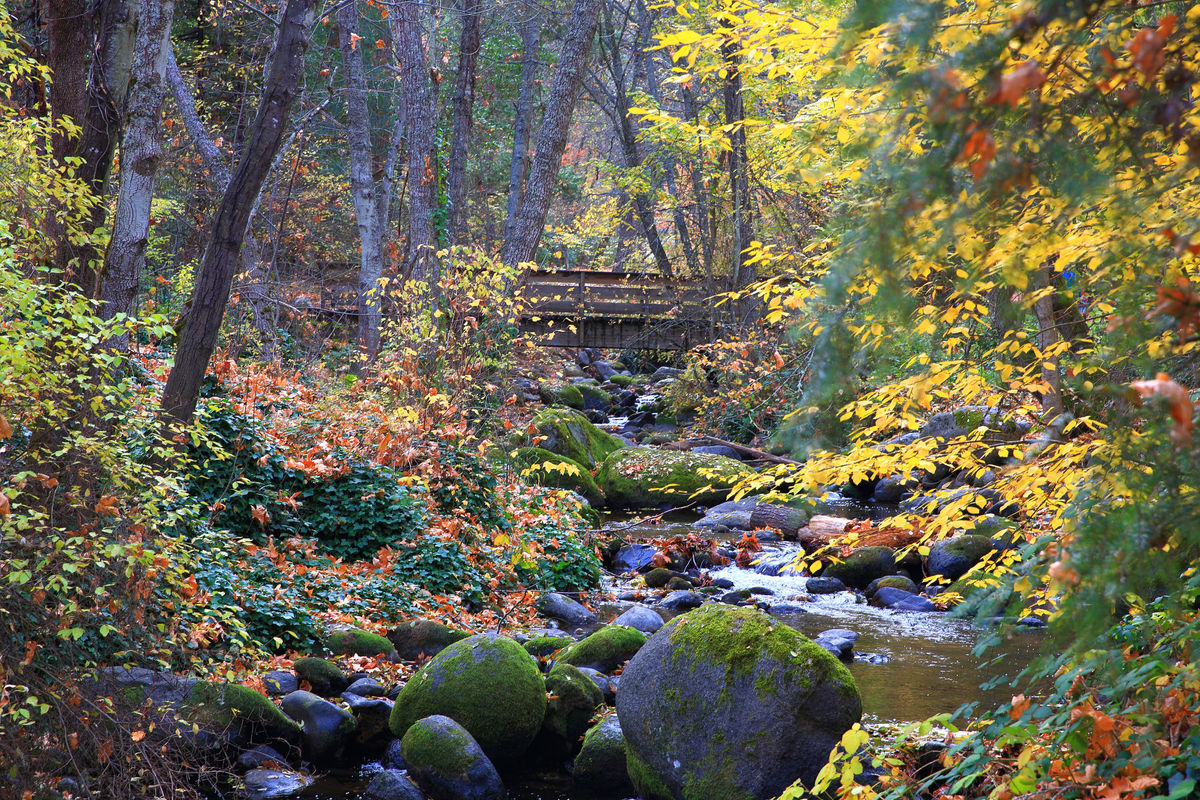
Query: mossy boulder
{"points": [[423, 638], [573, 697], [488, 684], [601, 764], [862, 566], [648, 477], [550, 469], [952, 558], [594, 397], [604, 650], [447, 763], [555, 393], [569, 433], [324, 676], [355, 642], [249, 717], [658, 577], [547, 645], [728, 702], [624, 381]]}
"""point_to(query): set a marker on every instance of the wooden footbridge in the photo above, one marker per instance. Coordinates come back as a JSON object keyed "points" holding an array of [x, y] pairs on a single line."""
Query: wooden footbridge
{"points": [[581, 307]]}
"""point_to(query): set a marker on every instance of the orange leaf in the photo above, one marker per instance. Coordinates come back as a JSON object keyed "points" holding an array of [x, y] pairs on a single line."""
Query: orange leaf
{"points": [[5, 428], [1179, 404], [1016, 84], [261, 515], [5, 505], [354, 37], [137, 736]]}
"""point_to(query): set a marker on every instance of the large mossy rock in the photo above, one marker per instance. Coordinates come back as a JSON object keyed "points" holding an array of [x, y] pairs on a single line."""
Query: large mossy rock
{"points": [[728, 702], [570, 434], [864, 565], [356, 642], [573, 699], [953, 558], [649, 477], [559, 472], [423, 638], [555, 393], [447, 763], [324, 676], [249, 717], [601, 764], [486, 683], [605, 650]]}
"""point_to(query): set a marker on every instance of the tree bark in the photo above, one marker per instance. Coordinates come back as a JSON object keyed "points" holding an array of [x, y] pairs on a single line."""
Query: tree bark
{"points": [[460, 136], [643, 202], [250, 256], [530, 29], [739, 165], [417, 99], [140, 156], [215, 275], [362, 184], [552, 137]]}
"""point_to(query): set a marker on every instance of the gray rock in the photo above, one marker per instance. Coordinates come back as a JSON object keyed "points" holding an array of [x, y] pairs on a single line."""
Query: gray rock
{"points": [[392, 784], [895, 488], [787, 609], [265, 784], [663, 373], [893, 582], [279, 682], [563, 608], [600, 766], [913, 603], [633, 557], [366, 687], [392, 757], [730, 520], [371, 715], [325, 729], [423, 638], [888, 597], [603, 369], [681, 600], [779, 701], [862, 566], [644, 619], [257, 757], [824, 585], [718, 450], [159, 688], [952, 558], [447, 763], [838, 641]]}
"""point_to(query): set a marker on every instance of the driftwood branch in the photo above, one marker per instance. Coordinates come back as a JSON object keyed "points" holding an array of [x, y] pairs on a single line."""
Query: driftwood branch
{"points": [[752, 453]]}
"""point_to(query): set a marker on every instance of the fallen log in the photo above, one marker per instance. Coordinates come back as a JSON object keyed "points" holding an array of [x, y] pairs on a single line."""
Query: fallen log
{"points": [[750, 452]]}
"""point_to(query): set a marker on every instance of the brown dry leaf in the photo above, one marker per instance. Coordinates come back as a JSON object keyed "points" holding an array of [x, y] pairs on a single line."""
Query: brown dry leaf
{"points": [[5, 428], [1016, 84], [1178, 403]]}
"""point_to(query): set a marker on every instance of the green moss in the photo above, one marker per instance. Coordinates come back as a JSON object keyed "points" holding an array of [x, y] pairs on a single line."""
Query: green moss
{"points": [[713, 777], [223, 706], [624, 381], [605, 649], [547, 469], [658, 577], [740, 637], [573, 698], [356, 642], [442, 748], [488, 684], [677, 584], [546, 645], [319, 672], [645, 477], [569, 433], [649, 786], [554, 393], [593, 392]]}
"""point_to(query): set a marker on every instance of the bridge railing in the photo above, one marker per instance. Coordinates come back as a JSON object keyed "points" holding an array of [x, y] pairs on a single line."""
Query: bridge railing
{"points": [[626, 295]]}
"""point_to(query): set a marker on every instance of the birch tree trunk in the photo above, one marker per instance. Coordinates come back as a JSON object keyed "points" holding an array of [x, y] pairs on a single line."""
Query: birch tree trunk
{"points": [[214, 278], [141, 152], [739, 166], [417, 99], [362, 186], [530, 29], [460, 136], [552, 137]]}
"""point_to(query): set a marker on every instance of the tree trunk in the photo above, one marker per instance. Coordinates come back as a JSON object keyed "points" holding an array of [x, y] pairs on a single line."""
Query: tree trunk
{"points": [[362, 184], [552, 138], [643, 202], [140, 156], [530, 29], [250, 257], [417, 99], [460, 137], [215, 275], [1047, 336], [739, 165]]}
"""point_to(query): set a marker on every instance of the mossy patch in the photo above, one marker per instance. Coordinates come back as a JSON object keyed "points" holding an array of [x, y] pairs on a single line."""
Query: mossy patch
{"points": [[606, 649], [598, 397], [547, 645], [624, 381], [658, 577], [445, 749], [322, 675], [572, 699], [488, 684], [648, 785], [555, 393], [551, 469], [646, 477], [355, 642], [570, 434], [228, 706]]}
